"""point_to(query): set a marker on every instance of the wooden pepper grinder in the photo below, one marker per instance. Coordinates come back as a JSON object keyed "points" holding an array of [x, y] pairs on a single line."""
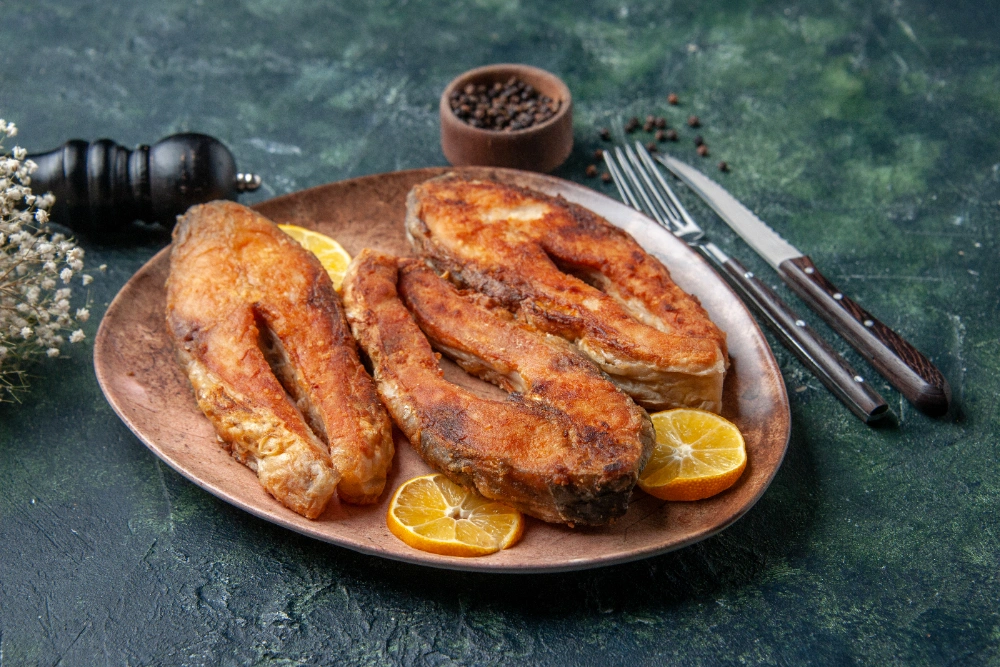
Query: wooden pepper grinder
{"points": [[100, 187]]}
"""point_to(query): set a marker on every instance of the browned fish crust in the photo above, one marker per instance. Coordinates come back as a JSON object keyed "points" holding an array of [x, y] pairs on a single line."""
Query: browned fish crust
{"points": [[567, 447], [567, 271], [261, 333]]}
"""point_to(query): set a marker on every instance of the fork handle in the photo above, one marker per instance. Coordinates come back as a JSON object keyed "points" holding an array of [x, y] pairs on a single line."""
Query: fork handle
{"points": [[899, 362], [815, 353]]}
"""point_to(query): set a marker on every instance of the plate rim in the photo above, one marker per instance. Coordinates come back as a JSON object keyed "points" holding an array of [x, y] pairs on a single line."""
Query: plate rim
{"points": [[104, 373]]}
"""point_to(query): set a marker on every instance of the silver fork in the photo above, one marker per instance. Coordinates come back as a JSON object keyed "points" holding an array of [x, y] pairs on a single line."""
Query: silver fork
{"points": [[642, 186]]}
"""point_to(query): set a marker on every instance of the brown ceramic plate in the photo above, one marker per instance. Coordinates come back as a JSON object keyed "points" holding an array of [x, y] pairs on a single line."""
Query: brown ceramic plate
{"points": [[135, 366]]}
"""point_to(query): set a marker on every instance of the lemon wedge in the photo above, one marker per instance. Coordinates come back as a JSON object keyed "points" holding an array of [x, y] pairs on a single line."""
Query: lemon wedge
{"points": [[331, 254], [697, 455], [433, 514]]}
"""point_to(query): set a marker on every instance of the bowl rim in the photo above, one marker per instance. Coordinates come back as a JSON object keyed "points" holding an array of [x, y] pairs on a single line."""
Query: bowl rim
{"points": [[565, 101]]}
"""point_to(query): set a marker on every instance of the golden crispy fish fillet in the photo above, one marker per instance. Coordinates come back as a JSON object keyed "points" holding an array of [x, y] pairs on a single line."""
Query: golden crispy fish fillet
{"points": [[567, 447], [566, 271], [259, 329]]}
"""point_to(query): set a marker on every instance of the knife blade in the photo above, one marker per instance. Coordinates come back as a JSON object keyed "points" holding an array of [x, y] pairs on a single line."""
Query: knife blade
{"points": [[898, 361]]}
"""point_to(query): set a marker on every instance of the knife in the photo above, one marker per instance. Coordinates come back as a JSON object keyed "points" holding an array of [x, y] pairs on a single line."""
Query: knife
{"points": [[899, 362]]}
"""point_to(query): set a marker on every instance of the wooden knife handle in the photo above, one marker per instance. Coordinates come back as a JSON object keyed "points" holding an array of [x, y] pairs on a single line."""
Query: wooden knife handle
{"points": [[899, 362], [814, 352]]}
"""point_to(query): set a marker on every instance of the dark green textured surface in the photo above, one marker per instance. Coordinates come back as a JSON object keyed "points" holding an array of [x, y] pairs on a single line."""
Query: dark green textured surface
{"points": [[867, 133]]}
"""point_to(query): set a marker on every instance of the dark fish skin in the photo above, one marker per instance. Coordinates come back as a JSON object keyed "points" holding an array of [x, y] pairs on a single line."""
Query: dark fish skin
{"points": [[543, 449], [566, 271], [261, 334]]}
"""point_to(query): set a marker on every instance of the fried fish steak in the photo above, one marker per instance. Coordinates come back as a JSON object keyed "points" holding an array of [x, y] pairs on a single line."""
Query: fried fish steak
{"points": [[261, 333], [566, 271], [567, 446]]}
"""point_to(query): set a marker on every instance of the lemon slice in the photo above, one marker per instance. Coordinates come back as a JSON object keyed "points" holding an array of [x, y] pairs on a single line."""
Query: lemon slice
{"points": [[331, 254], [697, 454], [433, 514]]}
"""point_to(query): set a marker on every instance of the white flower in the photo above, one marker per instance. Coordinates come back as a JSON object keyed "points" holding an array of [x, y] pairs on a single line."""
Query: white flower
{"points": [[36, 314]]}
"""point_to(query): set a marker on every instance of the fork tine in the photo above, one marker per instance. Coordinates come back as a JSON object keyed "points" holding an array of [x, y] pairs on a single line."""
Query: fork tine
{"points": [[619, 178], [689, 229], [638, 194], [650, 189]]}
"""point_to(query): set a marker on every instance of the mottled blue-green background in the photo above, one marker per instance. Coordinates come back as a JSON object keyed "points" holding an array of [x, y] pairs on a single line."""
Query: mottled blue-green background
{"points": [[867, 133]]}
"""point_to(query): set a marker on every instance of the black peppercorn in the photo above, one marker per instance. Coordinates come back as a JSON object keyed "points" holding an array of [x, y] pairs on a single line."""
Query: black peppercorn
{"points": [[509, 106], [606, 177], [672, 98], [605, 134], [591, 170], [723, 166], [632, 125], [698, 140], [661, 135], [694, 121], [671, 135], [703, 150]]}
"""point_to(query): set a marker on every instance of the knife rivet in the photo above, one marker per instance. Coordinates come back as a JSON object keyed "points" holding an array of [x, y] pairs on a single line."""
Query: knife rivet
{"points": [[799, 323], [810, 270], [858, 378], [838, 296], [869, 323], [748, 274]]}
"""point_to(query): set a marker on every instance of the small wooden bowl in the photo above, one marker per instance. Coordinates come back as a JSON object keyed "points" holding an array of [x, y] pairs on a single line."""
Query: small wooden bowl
{"points": [[541, 147]]}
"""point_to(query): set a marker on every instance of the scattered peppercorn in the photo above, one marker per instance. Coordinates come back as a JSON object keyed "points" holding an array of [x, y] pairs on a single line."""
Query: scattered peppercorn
{"points": [[505, 106], [723, 166], [703, 150], [660, 122], [606, 177], [648, 125], [632, 125], [693, 121], [598, 154], [698, 140], [672, 98], [651, 147], [661, 135], [671, 135], [605, 134], [591, 170]]}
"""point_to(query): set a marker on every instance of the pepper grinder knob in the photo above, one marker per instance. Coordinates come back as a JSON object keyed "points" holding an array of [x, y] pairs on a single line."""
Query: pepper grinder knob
{"points": [[100, 187]]}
